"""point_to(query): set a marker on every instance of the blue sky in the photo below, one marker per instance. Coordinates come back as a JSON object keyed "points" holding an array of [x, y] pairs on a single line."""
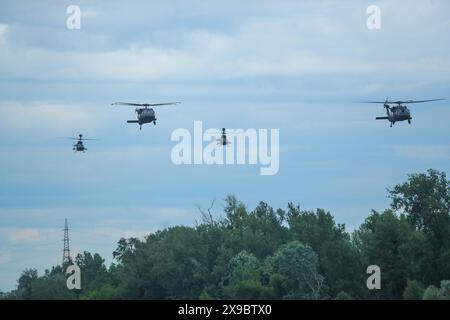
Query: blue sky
{"points": [[292, 65]]}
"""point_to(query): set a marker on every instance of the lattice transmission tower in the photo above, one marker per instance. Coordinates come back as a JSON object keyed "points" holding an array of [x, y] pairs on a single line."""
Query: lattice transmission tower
{"points": [[66, 251]]}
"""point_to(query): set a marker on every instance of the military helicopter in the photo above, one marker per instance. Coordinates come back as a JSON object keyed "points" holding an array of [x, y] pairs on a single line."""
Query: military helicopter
{"points": [[399, 111], [79, 146], [145, 114], [222, 140]]}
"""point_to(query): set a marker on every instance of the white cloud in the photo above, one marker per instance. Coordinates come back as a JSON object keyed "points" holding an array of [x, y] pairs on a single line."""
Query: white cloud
{"points": [[293, 45], [423, 152], [112, 235], [116, 221], [24, 235], [46, 117], [5, 256], [3, 34]]}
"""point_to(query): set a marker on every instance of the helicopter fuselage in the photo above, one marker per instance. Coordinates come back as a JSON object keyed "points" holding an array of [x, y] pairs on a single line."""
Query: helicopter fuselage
{"points": [[399, 113], [223, 139], [396, 114], [79, 147], [144, 115]]}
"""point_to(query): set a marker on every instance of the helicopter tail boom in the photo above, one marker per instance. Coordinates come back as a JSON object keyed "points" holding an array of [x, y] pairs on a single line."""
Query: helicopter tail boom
{"points": [[382, 118]]}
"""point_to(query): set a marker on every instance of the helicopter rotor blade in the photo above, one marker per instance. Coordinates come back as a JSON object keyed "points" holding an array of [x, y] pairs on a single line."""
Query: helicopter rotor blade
{"points": [[400, 102], [144, 104], [78, 139], [164, 104], [386, 105], [421, 101], [130, 104], [368, 101]]}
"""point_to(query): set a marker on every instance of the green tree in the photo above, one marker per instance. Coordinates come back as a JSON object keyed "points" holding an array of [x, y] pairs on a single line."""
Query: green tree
{"points": [[339, 259], [244, 279], [444, 290], [105, 292], [271, 253], [434, 293], [168, 265], [260, 231], [431, 293], [413, 291], [93, 271], [24, 284], [297, 264], [344, 296], [51, 288], [383, 240], [425, 198]]}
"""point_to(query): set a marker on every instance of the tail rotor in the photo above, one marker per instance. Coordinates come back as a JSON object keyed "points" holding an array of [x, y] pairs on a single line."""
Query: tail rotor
{"points": [[386, 104]]}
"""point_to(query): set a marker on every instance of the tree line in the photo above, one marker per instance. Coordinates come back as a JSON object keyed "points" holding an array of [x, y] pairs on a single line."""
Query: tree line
{"points": [[269, 253]]}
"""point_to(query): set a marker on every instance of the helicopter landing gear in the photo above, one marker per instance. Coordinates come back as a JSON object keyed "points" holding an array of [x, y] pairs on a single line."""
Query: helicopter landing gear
{"points": [[140, 127], [154, 122], [409, 121]]}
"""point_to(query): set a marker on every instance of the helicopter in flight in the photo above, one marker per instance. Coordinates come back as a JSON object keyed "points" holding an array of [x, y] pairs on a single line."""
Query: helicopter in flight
{"points": [[144, 113], [398, 111], [79, 146], [222, 140]]}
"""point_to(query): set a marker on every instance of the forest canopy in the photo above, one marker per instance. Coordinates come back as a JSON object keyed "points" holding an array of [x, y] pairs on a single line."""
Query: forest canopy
{"points": [[268, 253]]}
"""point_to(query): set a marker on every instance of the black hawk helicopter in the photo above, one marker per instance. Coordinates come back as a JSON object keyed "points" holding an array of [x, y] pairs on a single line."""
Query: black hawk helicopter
{"points": [[399, 111], [144, 113], [79, 146]]}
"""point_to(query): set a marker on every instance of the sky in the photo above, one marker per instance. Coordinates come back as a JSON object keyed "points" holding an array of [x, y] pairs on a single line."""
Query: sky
{"points": [[295, 66]]}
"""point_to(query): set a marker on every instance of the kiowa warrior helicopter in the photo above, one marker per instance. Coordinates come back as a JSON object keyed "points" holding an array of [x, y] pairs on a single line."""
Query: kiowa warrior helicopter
{"points": [[144, 113], [222, 140], [79, 146], [399, 111]]}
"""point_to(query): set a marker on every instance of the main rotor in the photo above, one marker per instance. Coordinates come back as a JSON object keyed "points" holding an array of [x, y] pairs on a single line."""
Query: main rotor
{"points": [[145, 105], [390, 104], [399, 102], [80, 138]]}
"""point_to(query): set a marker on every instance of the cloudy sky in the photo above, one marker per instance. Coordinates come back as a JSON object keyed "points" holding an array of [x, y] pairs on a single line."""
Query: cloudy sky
{"points": [[295, 66]]}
